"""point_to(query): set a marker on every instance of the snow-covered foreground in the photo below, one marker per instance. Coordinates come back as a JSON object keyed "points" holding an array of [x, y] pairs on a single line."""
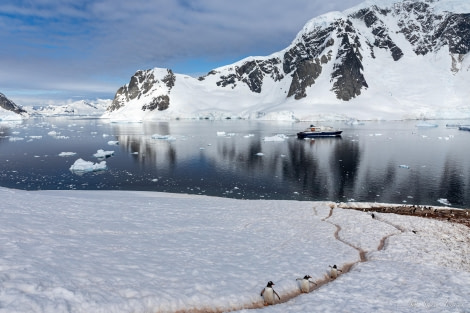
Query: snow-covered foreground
{"points": [[112, 251]]}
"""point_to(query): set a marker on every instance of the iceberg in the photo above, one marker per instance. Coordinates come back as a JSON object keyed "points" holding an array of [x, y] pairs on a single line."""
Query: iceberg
{"points": [[82, 166]]}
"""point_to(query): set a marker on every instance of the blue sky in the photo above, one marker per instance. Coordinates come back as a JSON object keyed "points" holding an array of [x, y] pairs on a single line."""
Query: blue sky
{"points": [[55, 51]]}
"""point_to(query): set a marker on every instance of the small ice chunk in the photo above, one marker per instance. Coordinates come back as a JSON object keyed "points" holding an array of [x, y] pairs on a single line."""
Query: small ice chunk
{"points": [[82, 166], [113, 142], [67, 154], [103, 154], [220, 133], [260, 154], [163, 137], [15, 138], [278, 137], [444, 201], [403, 166]]}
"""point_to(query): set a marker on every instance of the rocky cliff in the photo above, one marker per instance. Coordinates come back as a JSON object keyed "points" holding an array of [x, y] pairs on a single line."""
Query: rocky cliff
{"points": [[9, 105]]}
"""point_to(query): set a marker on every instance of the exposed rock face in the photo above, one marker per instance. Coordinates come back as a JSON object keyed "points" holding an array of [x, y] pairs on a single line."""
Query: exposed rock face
{"points": [[379, 30], [9, 105], [304, 76], [252, 73], [347, 73], [332, 49], [454, 32], [161, 103], [140, 84]]}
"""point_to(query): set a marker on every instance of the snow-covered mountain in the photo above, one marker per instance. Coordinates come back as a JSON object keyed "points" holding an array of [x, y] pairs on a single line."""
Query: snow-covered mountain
{"points": [[76, 108], [387, 59], [9, 110]]}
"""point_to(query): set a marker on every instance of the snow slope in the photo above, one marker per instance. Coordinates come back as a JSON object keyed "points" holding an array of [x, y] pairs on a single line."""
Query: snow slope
{"points": [[7, 116], [108, 251]]}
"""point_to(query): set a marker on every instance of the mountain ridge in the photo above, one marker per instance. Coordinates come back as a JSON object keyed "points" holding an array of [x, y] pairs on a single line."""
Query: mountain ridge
{"points": [[410, 57]]}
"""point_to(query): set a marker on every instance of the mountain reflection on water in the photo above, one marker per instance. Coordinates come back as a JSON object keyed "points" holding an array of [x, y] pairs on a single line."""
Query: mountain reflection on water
{"points": [[393, 162]]}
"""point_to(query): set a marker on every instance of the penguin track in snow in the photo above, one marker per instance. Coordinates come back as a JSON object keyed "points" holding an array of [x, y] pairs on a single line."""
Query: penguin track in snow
{"points": [[362, 254], [319, 282]]}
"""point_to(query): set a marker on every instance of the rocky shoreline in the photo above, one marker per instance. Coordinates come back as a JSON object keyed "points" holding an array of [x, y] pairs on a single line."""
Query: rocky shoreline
{"points": [[453, 215]]}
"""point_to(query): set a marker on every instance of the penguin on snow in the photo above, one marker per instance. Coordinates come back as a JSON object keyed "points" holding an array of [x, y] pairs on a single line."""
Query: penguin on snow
{"points": [[305, 283], [334, 271], [268, 294]]}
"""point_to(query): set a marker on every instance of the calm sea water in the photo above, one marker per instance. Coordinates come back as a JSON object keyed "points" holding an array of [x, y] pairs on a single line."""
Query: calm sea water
{"points": [[393, 162]]}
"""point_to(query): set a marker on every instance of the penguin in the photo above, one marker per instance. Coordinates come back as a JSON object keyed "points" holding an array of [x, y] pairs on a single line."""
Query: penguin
{"points": [[334, 271], [373, 215], [305, 283], [268, 294]]}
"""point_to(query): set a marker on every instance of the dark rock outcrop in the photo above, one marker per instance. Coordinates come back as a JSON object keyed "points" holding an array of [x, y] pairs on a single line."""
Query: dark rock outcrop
{"points": [[161, 103], [304, 76], [9, 105], [140, 84], [455, 33], [347, 73], [252, 73]]}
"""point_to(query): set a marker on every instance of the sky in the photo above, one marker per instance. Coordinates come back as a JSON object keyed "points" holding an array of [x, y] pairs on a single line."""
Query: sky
{"points": [[55, 52]]}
